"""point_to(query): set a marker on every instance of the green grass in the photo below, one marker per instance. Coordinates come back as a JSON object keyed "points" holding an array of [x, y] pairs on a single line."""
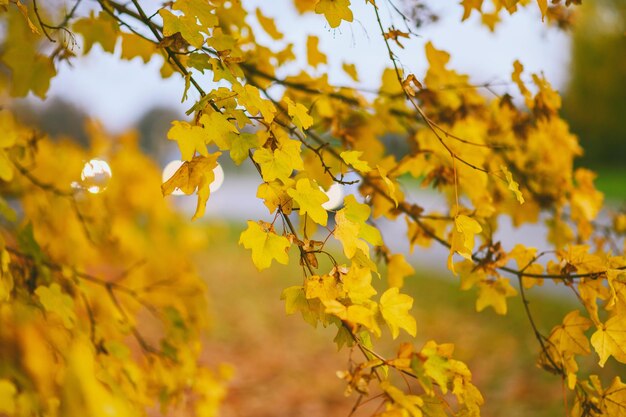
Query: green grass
{"points": [[612, 182]]}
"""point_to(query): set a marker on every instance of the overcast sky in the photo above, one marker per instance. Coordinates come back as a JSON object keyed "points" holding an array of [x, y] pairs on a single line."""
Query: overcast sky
{"points": [[119, 92]]}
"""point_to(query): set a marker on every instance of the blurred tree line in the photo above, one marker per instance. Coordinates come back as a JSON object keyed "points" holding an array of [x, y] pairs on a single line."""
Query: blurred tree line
{"points": [[595, 99]]}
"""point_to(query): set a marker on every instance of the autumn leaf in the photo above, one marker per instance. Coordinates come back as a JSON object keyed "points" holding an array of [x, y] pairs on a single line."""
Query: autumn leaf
{"points": [[8, 394], [469, 5], [352, 158], [494, 294], [265, 244], [325, 287], [299, 114], [195, 175], [314, 56], [394, 308], [310, 199], [391, 186], [397, 269], [56, 301], [190, 139], [462, 242], [186, 26], [352, 226], [570, 337], [268, 25], [513, 186], [350, 69], [335, 11], [610, 339]]}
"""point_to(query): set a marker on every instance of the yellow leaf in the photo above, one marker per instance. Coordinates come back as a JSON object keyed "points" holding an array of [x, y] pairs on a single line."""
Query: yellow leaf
{"points": [[350, 69], [352, 158], [268, 25], [524, 256], [351, 226], [614, 399], [305, 5], [610, 339], [265, 244], [188, 27], [469, 5], [250, 97], [217, 128], [397, 269], [30, 70], [241, 144], [569, 337], [274, 164], [299, 114], [391, 187], [56, 301], [6, 166], [513, 186], [358, 284], [102, 29], [543, 7], [310, 199], [193, 175], [395, 310], [494, 294], [135, 46], [325, 287], [462, 241], [314, 56], [7, 397], [274, 195], [190, 139], [335, 11]]}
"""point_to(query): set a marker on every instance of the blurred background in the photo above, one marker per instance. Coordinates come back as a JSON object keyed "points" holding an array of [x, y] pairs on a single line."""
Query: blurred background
{"points": [[284, 368]]}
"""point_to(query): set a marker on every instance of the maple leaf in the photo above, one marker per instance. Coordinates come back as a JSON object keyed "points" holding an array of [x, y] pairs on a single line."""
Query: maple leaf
{"points": [[394, 308], [265, 244], [241, 144], [250, 97], [314, 56], [100, 29], [274, 164], [570, 337], [325, 287], [350, 69], [299, 114], [190, 139], [351, 225], [469, 5], [397, 269], [352, 158], [268, 25], [513, 186], [358, 284], [56, 301], [186, 26], [463, 232], [335, 11], [391, 187], [193, 175], [610, 339], [494, 294], [614, 399], [7, 397], [310, 199], [217, 127]]}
